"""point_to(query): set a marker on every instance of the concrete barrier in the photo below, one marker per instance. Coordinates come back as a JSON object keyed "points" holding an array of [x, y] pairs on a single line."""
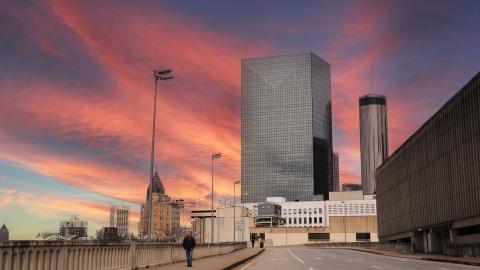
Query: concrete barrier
{"points": [[99, 255], [375, 245]]}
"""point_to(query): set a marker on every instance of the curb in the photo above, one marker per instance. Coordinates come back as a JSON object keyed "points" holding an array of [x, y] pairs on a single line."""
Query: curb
{"points": [[451, 261], [243, 260], [420, 258]]}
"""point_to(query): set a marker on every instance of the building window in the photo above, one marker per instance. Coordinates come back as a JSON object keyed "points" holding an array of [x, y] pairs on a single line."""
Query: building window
{"points": [[318, 237], [315, 220], [468, 230], [309, 220], [294, 220], [289, 220], [363, 236], [304, 220], [299, 220]]}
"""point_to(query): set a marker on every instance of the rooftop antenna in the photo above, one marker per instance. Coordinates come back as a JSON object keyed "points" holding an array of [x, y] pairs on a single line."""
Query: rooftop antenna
{"points": [[371, 77]]}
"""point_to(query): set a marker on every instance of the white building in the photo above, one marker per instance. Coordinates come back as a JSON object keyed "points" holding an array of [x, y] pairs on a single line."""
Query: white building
{"points": [[317, 213], [119, 219]]}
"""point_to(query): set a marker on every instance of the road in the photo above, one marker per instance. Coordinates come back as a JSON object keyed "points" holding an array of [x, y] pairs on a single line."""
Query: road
{"points": [[339, 259]]}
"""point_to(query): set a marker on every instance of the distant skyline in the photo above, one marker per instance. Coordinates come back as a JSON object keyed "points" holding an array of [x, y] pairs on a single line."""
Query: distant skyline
{"points": [[76, 89]]}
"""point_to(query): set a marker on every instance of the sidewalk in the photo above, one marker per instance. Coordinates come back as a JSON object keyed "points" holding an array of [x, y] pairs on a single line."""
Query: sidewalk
{"points": [[425, 257], [219, 262]]}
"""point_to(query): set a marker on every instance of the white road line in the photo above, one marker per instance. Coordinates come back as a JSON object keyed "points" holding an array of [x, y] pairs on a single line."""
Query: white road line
{"points": [[310, 268], [318, 258], [376, 267], [295, 256]]}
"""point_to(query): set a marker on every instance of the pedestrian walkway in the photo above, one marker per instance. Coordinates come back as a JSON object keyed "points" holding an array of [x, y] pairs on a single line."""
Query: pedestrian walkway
{"points": [[422, 256], [226, 261]]}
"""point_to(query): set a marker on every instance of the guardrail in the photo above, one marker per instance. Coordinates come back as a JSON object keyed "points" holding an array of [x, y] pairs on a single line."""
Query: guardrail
{"points": [[100, 255], [375, 245]]}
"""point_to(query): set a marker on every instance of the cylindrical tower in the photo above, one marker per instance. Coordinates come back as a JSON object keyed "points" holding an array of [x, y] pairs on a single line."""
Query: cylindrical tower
{"points": [[373, 138]]}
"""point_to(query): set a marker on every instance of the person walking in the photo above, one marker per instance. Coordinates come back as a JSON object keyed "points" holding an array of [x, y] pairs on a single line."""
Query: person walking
{"points": [[252, 239], [189, 245]]}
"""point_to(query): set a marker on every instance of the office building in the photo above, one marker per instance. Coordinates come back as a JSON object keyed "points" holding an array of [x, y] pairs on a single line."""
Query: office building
{"points": [[428, 190], [165, 212], [286, 128], [119, 220], [4, 233], [351, 187], [74, 228], [336, 172], [373, 138]]}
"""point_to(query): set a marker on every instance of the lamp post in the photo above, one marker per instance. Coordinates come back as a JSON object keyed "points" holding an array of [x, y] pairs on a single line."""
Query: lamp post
{"points": [[159, 75], [214, 156], [345, 220], [234, 215]]}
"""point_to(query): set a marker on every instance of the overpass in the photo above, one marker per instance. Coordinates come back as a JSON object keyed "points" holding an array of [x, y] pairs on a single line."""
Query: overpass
{"points": [[99, 255]]}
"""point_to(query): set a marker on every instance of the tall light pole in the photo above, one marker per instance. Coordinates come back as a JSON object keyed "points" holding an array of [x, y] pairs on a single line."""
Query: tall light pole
{"points": [[214, 156], [234, 216], [159, 75], [345, 220]]}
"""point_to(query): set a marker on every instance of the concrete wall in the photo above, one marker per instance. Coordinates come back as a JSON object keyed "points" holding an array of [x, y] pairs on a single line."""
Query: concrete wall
{"points": [[340, 227], [95, 255], [432, 180], [222, 229]]}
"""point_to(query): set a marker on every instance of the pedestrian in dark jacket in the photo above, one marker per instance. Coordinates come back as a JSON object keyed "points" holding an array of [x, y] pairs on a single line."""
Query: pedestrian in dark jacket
{"points": [[189, 245]]}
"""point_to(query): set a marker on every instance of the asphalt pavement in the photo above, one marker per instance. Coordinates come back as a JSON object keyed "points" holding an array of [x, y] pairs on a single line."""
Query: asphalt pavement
{"points": [[302, 258]]}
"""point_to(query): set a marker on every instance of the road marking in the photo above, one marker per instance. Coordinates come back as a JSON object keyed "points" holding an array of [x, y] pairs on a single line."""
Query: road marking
{"points": [[376, 267], [318, 258], [310, 268], [294, 256]]}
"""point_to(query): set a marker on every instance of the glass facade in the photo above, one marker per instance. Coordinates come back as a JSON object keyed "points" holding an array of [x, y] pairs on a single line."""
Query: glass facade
{"points": [[286, 127], [373, 138]]}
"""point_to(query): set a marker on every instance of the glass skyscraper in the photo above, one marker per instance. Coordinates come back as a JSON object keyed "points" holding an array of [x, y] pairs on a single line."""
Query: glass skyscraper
{"points": [[286, 128], [373, 138]]}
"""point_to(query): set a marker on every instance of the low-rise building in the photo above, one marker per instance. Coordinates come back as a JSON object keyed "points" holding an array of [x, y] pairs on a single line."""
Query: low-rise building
{"points": [[74, 228], [346, 217], [229, 224]]}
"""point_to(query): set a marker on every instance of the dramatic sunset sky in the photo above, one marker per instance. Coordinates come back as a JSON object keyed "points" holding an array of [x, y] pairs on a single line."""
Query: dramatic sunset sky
{"points": [[76, 89]]}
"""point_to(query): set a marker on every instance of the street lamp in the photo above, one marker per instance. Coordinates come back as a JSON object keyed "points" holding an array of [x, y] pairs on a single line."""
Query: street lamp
{"points": [[345, 220], [234, 216], [159, 75], [214, 156]]}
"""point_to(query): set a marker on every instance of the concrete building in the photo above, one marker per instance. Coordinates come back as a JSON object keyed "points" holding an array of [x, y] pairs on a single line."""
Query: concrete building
{"points": [[428, 191], [224, 229], [351, 187], [119, 220], [74, 228], [336, 172], [286, 128], [340, 229], [165, 212], [373, 138], [347, 216], [4, 233]]}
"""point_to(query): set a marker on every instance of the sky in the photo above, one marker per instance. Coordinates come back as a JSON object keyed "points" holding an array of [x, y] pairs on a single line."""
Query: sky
{"points": [[76, 91]]}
